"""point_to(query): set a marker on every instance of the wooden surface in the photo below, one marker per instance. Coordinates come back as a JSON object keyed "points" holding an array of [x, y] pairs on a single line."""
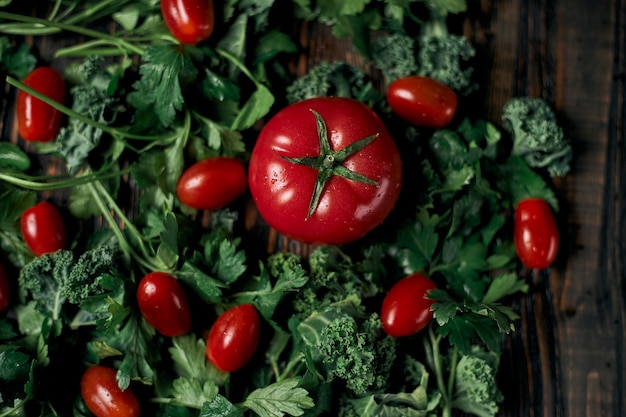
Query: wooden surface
{"points": [[567, 357]]}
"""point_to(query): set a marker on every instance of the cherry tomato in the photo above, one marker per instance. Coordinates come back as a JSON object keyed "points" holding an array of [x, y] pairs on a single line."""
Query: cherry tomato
{"points": [[43, 229], [38, 121], [103, 396], [535, 235], [163, 303], [5, 295], [325, 170], [190, 21], [212, 183], [233, 338], [422, 101], [405, 310]]}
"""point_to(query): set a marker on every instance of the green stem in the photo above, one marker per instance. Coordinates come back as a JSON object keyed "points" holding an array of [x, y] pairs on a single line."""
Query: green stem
{"points": [[295, 363], [126, 247], [240, 65], [438, 367], [127, 223], [71, 28], [43, 183], [454, 359], [71, 113]]}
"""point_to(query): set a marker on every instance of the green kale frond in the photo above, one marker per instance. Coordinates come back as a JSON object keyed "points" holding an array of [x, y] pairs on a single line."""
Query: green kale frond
{"points": [[394, 56], [333, 79], [536, 135], [59, 277], [350, 348], [477, 390], [445, 56]]}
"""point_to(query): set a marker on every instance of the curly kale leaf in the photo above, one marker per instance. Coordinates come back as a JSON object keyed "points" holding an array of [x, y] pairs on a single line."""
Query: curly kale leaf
{"points": [[333, 79], [350, 347], [476, 387], [56, 278], [394, 56], [92, 97], [445, 56], [536, 135]]}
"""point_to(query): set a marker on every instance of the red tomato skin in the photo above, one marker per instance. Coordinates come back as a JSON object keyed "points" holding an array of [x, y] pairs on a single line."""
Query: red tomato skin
{"points": [[103, 396], [405, 310], [43, 229], [189, 21], [422, 101], [535, 233], [38, 121], [213, 183], [233, 338], [347, 209], [5, 295], [163, 304]]}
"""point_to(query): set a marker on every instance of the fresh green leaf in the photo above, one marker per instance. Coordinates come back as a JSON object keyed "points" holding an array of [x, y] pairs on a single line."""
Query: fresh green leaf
{"points": [[504, 285], [280, 398], [165, 71]]}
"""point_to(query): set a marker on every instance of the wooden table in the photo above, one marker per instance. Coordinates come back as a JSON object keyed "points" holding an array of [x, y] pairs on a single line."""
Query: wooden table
{"points": [[567, 357]]}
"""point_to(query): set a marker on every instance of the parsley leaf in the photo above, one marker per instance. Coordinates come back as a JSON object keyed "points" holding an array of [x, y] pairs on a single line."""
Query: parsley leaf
{"points": [[165, 67], [279, 398], [16, 60]]}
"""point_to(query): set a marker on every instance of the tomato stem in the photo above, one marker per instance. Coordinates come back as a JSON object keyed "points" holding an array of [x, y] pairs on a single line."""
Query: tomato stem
{"points": [[329, 163]]}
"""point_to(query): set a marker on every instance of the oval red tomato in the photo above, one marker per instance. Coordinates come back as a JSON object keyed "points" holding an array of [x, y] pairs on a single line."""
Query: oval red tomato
{"points": [[190, 21], [405, 310], [5, 295], [325, 170], [163, 303], [38, 121], [422, 101], [43, 229], [234, 337], [212, 183], [103, 396], [535, 235]]}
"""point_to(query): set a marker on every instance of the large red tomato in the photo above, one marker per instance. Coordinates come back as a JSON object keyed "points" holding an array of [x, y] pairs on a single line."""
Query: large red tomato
{"points": [[234, 337], [190, 21], [43, 229], [536, 235], [325, 170], [163, 303], [36, 120], [103, 396]]}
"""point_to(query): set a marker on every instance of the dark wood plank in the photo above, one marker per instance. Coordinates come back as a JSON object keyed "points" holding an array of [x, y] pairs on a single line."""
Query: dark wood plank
{"points": [[567, 358]]}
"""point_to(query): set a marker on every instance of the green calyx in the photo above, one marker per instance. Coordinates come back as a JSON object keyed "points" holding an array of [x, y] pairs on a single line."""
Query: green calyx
{"points": [[329, 163]]}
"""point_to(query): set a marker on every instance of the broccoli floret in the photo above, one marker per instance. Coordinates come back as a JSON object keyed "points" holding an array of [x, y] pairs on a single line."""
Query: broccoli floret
{"points": [[333, 79], [394, 56], [444, 56], [55, 278], [352, 349], [477, 390], [536, 135]]}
